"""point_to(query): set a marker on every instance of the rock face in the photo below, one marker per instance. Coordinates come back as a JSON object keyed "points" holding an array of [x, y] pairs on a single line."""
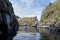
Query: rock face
{"points": [[8, 22], [51, 13], [28, 24]]}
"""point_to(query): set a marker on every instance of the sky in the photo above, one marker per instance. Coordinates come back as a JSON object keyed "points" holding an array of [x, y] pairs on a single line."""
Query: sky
{"points": [[29, 8]]}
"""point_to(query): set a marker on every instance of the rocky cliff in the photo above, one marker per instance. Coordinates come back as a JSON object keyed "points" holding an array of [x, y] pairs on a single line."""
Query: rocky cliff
{"points": [[8, 22], [29, 20], [28, 24], [51, 13], [50, 21]]}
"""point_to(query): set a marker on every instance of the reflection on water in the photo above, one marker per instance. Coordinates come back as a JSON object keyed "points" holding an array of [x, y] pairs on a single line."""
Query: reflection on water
{"points": [[27, 36], [50, 36], [37, 36]]}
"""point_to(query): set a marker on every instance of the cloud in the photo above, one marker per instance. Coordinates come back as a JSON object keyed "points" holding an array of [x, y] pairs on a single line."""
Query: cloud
{"points": [[52, 1], [26, 8]]}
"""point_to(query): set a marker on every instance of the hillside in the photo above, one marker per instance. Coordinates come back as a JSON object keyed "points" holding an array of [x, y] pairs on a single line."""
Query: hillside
{"points": [[29, 20], [27, 23], [51, 13]]}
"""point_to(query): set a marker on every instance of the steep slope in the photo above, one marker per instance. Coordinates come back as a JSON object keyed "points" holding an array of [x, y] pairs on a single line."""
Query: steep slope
{"points": [[29, 20], [51, 13]]}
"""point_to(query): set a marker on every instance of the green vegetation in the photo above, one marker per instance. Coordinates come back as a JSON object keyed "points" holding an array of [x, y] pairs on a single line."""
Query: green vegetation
{"points": [[51, 13], [29, 20]]}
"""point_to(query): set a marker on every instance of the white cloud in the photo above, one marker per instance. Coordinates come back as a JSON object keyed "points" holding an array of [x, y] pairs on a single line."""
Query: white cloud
{"points": [[52, 1], [24, 8]]}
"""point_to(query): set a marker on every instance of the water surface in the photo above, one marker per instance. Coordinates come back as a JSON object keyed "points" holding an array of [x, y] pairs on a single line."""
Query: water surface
{"points": [[27, 36]]}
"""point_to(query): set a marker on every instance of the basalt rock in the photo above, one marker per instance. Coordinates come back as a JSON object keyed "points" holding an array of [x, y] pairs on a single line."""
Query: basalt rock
{"points": [[8, 22]]}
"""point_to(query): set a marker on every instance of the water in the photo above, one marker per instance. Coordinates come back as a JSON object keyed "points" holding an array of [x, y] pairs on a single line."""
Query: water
{"points": [[27, 36]]}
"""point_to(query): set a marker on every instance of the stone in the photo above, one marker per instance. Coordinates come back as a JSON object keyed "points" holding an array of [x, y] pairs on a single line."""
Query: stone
{"points": [[57, 24], [8, 22]]}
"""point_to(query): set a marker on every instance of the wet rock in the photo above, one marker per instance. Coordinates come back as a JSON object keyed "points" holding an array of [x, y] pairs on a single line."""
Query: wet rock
{"points": [[8, 22]]}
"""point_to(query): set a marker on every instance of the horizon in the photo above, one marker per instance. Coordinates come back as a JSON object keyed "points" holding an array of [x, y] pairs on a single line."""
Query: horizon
{"points": [[30, 8]]}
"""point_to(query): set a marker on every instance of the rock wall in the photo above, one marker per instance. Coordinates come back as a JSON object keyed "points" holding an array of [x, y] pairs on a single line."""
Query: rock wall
{"points": [[51, 13], [8, 22], [28, 24]]}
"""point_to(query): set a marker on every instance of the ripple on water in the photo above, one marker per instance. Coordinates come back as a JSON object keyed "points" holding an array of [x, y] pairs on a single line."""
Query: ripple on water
{"points": [[27, 36]]}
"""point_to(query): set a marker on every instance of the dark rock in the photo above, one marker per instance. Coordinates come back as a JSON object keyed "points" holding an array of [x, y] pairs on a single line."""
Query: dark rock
{"points": [[8, 22], [57, 24]]}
